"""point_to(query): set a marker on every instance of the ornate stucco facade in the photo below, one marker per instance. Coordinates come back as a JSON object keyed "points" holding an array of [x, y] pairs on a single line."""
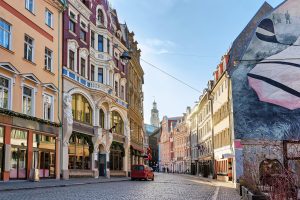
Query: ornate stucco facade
{"points": [[94, 77]]}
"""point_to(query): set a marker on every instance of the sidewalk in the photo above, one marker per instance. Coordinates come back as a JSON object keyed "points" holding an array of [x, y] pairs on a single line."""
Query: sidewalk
{"points": [[46, 183], [224, 190]]}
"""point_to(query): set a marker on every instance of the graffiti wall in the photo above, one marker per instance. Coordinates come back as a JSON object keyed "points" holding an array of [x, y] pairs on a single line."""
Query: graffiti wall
{"points": [[266, 82]]}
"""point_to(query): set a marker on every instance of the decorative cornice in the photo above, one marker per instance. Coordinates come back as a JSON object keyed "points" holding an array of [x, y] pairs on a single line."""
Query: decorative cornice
{"points": [[85, 11]]}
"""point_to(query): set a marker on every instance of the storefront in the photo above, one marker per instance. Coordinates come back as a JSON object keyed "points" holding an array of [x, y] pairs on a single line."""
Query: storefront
{"points": [[117, 153], [44, 157], [80, 148], [223, 169], [25, 145]]}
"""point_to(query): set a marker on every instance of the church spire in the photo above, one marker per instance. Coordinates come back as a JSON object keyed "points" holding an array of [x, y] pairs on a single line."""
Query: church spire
{"points": [[154, 115]]}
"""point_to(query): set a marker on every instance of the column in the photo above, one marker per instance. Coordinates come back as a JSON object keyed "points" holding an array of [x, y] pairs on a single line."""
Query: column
{"points": [[97, 110], [29, 152], [107, 77], [57, 157], [65, 161], [107, 166], [96, 74], [94, 158], [7, 153], [108, 119], [104, 75]]}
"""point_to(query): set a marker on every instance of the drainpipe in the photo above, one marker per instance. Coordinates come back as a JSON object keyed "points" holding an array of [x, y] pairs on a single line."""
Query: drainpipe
{"points": [[210, 98]]}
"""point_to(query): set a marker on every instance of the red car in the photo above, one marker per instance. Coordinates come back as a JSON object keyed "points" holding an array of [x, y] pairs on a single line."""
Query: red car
{"points": [[141, 172]]}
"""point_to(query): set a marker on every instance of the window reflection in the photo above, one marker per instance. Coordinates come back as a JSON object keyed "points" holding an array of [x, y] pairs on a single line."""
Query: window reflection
{"points": [[116, 120], [81, 109]]}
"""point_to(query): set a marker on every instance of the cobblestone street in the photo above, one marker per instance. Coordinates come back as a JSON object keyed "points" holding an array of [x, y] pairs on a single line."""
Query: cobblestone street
{"points": [[165, 186]]}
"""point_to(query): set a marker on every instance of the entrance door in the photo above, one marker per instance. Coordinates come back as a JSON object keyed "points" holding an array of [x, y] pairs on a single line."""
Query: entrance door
{"points": [[47, 164], [102, 164], [18, 163]]}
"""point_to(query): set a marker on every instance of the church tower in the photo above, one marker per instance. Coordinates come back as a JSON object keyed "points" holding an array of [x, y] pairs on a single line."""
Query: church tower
{"points": [[154, 115]]}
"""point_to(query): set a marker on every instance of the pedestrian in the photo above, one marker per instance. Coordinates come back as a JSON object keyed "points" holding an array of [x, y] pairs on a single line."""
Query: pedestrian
{"points": [[287, 17]]}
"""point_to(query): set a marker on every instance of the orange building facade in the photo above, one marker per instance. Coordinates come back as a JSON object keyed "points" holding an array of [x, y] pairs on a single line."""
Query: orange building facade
{"points": [[30, 85]]}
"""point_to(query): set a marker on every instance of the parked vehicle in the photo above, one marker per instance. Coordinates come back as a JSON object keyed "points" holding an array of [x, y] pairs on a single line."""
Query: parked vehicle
{"points": [[139, 172]]}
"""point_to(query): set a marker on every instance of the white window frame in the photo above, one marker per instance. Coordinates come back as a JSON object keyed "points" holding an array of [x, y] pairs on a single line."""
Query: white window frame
{"points": [[47, 11], [32, 99], [29, 45], [27, 5], [10, 92], [52, 106], [51, 60], [9, 33]]}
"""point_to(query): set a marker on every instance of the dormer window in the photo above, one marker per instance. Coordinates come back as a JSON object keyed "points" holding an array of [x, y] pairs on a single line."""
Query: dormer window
{"points": [[100, 17]]}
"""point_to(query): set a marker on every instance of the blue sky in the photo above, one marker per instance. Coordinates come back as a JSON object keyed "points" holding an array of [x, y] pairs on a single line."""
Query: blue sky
{"points": [[186, 38]]}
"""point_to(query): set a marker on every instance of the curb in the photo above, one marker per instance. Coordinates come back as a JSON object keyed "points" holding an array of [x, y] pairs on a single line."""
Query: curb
{"points": [[61, 185]]}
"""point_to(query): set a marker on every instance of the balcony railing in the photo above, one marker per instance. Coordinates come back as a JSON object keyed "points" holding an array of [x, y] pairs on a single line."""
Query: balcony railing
{"points": [[87, 83]]}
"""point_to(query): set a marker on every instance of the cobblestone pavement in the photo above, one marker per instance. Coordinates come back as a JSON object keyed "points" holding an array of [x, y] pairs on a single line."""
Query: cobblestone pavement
{"points": [[165, 186]]}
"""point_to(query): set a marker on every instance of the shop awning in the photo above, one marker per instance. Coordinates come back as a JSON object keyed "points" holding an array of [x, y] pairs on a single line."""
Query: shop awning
{"points": [[137, 147], [228, 155]]}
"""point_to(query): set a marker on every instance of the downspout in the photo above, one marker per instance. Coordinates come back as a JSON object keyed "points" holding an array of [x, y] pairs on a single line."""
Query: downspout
{"points": [[59, 78]]}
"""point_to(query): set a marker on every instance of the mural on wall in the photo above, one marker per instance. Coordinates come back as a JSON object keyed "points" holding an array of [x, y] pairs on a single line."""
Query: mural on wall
{"points": [[266, 84]]}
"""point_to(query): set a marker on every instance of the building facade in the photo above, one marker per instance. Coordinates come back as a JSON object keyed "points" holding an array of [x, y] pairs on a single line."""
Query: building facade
{"points": [[135, 80], [180, 151], [30, 98], [96, 132], [166, 149], [205, 135]]}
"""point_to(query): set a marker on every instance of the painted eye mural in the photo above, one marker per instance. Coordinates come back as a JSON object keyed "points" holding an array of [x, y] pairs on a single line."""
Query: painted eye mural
{"points": [[266, 83]]}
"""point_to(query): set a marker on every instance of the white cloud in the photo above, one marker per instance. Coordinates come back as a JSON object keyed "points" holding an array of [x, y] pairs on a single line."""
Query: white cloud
{"points": [[156, 46]]}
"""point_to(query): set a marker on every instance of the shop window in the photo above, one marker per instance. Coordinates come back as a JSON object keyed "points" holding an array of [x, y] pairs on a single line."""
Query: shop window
{"points": [[117, 121], [44, 155], [81, 109], [79, 151]]}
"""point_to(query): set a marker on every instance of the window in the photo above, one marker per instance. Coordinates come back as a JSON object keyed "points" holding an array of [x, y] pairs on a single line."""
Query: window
{"points": [[27, 100], [81, 109], [116, 88], [108, 46], [72, 22], [48, 18], [92, 39], [48, 107], [4, 92], [122, 92], [48, 59], [100, 43], [101, 118], [29, 5], [71, 59], [28, 48], [100, 16], [116, 120], [82, 35], [72, 26], [82, 65], [5, 34], [100, 75], [92, 72]]}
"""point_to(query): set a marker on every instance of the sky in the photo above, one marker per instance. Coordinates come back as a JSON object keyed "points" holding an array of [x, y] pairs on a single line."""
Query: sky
{"points": [[185, 38]]}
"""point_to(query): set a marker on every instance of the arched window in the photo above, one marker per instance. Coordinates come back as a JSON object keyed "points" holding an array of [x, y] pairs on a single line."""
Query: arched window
{"points": [[81, 109], [116, 120], [101, 118], [100, 16]]}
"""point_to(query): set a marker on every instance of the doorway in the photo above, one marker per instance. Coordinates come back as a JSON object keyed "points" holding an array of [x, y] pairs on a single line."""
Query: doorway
{"points": [[45, 162], [102, 164], [18, 163]]}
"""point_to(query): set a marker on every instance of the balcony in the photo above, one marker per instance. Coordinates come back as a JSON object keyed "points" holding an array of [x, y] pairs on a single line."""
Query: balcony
{"points": [[87, 83], [102, 56]]}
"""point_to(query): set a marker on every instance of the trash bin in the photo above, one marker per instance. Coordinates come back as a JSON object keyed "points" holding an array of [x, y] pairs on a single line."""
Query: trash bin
{"points": [[34, 175]]}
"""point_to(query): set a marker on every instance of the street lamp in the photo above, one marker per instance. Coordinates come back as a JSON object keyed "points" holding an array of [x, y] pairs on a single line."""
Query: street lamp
{"points": [[125, 57]]}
